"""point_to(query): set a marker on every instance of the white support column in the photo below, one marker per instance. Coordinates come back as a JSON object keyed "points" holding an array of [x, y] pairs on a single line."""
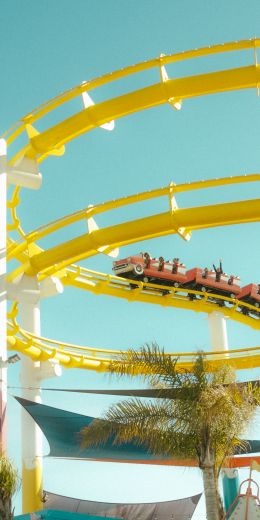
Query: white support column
{"points": [[28, 293], [29, 311], [3, 297], [218, 331]]}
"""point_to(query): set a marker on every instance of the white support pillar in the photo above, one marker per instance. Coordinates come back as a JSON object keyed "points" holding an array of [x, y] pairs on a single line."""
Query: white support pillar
{"points": [[3, 297], [29, 311], [218, 331], [28, 293]]}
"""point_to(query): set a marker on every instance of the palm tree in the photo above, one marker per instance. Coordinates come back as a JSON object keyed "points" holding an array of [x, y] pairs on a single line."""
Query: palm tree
{"points": [[205, 421], [9, 483]]}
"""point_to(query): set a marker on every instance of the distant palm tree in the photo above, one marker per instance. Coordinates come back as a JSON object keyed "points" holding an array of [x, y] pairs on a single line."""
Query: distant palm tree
{"points": [[204, 422], [9, 483]]}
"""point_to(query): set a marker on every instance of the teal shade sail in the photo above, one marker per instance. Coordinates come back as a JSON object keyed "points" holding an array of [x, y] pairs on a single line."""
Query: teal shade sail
{"points": [[62, 430]]}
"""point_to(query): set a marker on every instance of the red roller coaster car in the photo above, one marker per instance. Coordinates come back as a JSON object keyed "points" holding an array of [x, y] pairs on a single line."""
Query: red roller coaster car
{"points": [[159, 271], [155, 270]]}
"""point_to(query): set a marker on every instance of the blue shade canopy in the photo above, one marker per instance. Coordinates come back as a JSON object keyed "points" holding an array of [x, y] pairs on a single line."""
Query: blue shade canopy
{"points": [[61, 428]]}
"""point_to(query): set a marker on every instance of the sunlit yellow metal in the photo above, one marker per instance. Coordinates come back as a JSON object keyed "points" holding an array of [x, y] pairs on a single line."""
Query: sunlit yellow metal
{"points": [[32, 482], [58, 259], [155, 95], [91, 358], [203, 217], [100, 283], [129, 232], [234, 79], [88, 212]]}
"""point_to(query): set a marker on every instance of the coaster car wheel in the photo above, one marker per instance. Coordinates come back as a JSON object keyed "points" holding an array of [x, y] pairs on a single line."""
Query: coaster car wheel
{"points": [[138, 269]]}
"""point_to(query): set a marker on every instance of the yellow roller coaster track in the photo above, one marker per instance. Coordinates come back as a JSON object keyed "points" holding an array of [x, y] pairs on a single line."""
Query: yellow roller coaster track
{"points": [[74, 356], [59, 259]]}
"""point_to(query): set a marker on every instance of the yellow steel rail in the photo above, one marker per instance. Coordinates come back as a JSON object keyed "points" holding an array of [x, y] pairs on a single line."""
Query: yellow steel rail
{"points": [[53, 138], [171, 190], [173, 221], [88, 244]]}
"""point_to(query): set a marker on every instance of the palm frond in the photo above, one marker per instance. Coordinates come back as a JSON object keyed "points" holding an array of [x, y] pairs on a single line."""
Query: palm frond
{"points": [[150, 362], [97, 433], [204, 419], [157, 368], [9, 480], [152, 425]]}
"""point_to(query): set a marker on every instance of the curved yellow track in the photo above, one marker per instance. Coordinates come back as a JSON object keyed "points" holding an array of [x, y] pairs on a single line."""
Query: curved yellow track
{"points": [[59, 258], [74, 356]]}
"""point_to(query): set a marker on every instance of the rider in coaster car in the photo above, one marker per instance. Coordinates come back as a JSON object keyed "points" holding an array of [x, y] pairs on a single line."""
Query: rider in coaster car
{"points": [[218, 270], [147, 260], [161, 263], [231, 279], [205, 272], [175, 266]]}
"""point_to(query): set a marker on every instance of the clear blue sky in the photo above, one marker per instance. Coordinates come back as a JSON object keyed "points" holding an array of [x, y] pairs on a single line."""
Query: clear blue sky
{"points": [[50, 46]]}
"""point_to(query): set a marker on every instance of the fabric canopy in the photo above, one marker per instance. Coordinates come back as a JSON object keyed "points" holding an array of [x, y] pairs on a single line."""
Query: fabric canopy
{"points": [[62, 428], [182, 509]]}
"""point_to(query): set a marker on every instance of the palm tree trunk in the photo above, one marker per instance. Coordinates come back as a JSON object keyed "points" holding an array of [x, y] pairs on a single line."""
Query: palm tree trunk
{"points": [[211, 498], [6, 512], [221, 511]]}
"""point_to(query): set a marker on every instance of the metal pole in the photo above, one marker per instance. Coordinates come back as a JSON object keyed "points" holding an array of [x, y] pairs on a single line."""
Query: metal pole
{"points": [[3, 296]]}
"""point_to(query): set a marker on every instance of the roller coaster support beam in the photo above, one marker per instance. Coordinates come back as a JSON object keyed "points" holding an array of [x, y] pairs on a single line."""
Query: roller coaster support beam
{"points": [[3, 297], [218, 331], [28, 294]]}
